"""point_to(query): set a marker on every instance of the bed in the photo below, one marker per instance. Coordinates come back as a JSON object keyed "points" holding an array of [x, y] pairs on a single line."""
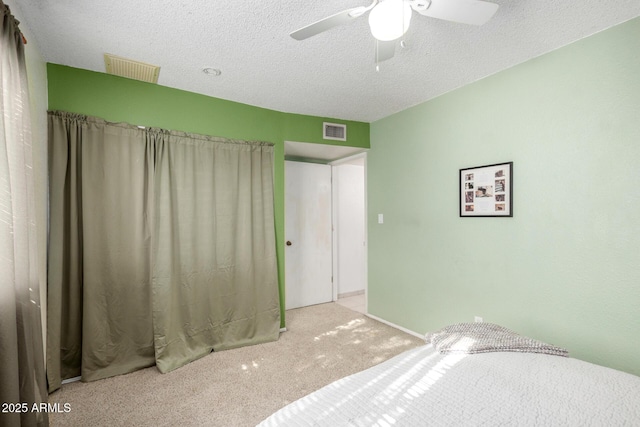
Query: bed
{"points": [[476, 376]]}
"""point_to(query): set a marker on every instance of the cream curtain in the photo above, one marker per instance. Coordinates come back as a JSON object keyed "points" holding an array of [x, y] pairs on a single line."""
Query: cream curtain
{"points": [[22, 379], [162, 247]]}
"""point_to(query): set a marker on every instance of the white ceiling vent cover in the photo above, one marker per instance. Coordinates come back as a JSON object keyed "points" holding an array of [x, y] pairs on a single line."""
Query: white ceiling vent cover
{"points": [[131, 69], [334, 131]]}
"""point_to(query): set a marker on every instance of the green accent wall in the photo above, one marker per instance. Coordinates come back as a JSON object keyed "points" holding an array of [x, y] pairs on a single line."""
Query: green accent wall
{"points": [[123, 100], [566, 267]]}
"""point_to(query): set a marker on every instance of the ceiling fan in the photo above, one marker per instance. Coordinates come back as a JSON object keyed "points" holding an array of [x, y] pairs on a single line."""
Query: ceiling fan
{"points": [[389, 19]]}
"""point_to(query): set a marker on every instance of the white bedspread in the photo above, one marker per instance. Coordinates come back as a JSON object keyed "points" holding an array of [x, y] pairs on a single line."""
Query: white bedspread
{"points": [[422, 387]]}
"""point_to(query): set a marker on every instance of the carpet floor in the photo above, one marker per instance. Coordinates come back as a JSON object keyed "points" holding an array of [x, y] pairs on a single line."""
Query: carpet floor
{"points": [[238, 387]]}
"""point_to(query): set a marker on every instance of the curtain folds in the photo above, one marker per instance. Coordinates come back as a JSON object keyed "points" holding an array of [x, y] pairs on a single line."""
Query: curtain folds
{"points": [[162, 247], [214, 225], [22, 378], [98, 293]]}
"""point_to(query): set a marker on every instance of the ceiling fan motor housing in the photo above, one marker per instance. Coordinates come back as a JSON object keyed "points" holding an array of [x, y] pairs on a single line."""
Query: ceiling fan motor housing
{"points": [[390, 19]]}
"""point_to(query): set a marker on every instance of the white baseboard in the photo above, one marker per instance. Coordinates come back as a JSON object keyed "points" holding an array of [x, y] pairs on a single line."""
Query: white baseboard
{"points": [[351, 294], [71, 380], [393, 325]]}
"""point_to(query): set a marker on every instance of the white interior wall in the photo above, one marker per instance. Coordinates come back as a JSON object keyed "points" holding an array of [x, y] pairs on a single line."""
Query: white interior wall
{"points": [[350, 213]]}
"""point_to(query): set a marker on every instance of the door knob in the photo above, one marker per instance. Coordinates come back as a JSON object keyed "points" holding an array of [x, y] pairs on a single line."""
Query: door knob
{"points": [[289, 243]]}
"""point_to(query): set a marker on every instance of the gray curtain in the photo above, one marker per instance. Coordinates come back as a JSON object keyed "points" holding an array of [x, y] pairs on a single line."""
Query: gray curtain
{"points": [[99, 306], [214, 225], [162, 247], [22, 379]]}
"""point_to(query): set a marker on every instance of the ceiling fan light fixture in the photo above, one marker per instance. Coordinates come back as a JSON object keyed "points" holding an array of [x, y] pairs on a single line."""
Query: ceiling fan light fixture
{"points": [[390, 19]]}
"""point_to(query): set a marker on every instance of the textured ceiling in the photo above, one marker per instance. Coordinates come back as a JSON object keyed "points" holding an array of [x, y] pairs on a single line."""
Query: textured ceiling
{"points": [[330, 75]]}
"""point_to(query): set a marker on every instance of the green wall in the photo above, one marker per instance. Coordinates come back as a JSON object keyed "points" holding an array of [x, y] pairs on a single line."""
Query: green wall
{"points": [[566, 267], [123, 100]]}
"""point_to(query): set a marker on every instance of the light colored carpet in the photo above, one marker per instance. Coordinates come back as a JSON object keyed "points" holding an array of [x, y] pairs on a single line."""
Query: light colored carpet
{"points": [[243, 386]]}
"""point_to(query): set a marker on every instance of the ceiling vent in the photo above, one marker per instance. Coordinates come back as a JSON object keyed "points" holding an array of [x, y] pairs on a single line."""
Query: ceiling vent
{"points": [[131, 69], [334, 131]]}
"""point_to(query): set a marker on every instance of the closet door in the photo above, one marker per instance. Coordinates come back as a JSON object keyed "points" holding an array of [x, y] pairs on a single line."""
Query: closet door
{"points": [[308, 249]]}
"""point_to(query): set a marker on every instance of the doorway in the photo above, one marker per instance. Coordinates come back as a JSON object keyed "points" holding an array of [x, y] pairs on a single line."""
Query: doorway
{"points": [[350, 236], [325, 232]]}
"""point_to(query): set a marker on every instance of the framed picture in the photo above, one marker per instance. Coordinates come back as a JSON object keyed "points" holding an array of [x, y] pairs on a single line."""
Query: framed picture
{"points": [[487, 190]]}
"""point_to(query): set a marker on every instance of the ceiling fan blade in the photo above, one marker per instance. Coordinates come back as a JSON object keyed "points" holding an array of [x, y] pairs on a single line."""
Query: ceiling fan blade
{"points": [[474, 12], [328, 23], [385, 50]]}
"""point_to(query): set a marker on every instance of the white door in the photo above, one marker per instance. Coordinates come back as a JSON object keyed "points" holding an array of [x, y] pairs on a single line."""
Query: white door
{"points": [[308, 246]]}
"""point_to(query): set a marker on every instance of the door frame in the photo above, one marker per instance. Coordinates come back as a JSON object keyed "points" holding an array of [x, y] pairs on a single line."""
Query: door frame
{"points": [[336, 232]]}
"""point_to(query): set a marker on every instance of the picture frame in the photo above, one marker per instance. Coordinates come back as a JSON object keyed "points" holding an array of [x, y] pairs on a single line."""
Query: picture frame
{"points": [[487, 191]]}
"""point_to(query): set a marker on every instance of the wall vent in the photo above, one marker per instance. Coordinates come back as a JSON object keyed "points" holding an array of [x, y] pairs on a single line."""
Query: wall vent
{"points": [[131, 69], [334, 131]]}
